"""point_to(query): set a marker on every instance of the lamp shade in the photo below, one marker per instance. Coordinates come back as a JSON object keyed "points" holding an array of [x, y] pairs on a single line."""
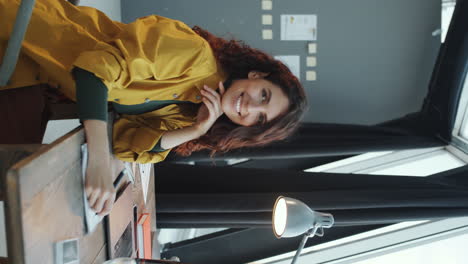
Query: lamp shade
{"points": [[292, 218]]}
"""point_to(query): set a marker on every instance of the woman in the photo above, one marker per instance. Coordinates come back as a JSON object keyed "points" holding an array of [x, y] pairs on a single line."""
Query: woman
{"points": [[159, 74]]}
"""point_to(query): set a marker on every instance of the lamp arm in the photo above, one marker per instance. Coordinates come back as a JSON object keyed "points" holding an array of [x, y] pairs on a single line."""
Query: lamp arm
{"points": [[303, 242]]}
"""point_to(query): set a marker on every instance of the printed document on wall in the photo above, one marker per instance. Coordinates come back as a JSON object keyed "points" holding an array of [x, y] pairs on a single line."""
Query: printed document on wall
{"points": [[293, 63], [299, 27]]}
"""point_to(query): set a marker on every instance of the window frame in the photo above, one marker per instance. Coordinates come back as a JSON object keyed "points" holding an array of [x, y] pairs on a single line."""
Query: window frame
{"points": [[384, 240], [377, 242], [462, 120]]}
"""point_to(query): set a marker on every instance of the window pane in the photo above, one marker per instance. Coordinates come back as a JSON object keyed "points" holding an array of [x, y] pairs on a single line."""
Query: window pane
{"points": [[447, 251], [441, 161]]}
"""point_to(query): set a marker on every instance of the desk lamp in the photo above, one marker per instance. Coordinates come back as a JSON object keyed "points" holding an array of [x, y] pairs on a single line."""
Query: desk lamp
{"points": [[292, 218]]}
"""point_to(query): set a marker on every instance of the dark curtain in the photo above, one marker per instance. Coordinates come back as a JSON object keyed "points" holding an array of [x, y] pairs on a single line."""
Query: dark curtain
{"points": [[448, 77], [195, 196], [320, 139], [234, 246]]}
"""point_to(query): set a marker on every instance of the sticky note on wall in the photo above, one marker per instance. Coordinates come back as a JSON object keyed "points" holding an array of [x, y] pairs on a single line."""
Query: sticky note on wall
{"points": [[267, 19], [311, 75], [312, 47], [267, 5], [311, 61], [267, 34]]}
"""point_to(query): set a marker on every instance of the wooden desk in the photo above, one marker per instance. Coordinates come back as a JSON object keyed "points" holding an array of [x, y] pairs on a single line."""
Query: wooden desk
{"points": [[44, 204]]}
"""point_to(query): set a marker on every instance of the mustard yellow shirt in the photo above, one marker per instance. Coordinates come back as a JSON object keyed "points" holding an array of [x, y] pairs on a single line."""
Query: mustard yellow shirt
{"points": [[153, 58]]}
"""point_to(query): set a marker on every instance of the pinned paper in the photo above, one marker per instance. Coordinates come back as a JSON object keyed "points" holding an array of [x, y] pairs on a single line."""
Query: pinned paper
{"points": [[267, 5], [298, 27], [312, 47], [267, 34], [293, 63], [267, 19], [311, 61], [311, 76]]}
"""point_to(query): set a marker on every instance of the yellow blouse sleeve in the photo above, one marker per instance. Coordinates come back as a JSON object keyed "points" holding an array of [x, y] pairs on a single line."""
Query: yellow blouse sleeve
{"points": [[132, 142], [151, 47], [135, 135]]}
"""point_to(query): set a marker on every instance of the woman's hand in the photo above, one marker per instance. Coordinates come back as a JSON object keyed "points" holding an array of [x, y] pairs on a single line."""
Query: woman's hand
{"points": [[206, 117], [99, 186], [211, 108], [99, 181]]}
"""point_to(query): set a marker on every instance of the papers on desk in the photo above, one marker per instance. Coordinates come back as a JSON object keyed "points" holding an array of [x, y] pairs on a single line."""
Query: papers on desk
{"points": [[67, 252], [145, 170], [91, 218], [129, 172]]}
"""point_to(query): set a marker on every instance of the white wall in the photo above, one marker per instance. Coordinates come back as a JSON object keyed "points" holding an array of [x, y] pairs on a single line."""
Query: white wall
{"points": [[110, 7]]}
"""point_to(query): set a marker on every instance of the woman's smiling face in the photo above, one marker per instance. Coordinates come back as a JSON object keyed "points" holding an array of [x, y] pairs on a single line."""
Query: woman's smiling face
{"points": [[254, 100]]}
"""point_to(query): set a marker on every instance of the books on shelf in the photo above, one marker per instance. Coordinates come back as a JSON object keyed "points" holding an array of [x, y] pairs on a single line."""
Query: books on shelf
{"points": [[144, 236]]}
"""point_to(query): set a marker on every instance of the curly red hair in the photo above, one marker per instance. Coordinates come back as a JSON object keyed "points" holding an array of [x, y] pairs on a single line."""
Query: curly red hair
{"points": [[237, 60]]}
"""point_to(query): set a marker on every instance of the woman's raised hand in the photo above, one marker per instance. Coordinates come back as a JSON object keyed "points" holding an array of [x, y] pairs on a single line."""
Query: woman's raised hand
{"points": [[211, 109]]}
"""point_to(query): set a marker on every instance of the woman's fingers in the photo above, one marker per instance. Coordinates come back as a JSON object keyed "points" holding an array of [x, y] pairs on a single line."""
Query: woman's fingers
{"points": [[108, 203], [212, 93], [221, 88], [212, 101], [93, 196], [100, 201], [214, 98], [211, 109]]}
